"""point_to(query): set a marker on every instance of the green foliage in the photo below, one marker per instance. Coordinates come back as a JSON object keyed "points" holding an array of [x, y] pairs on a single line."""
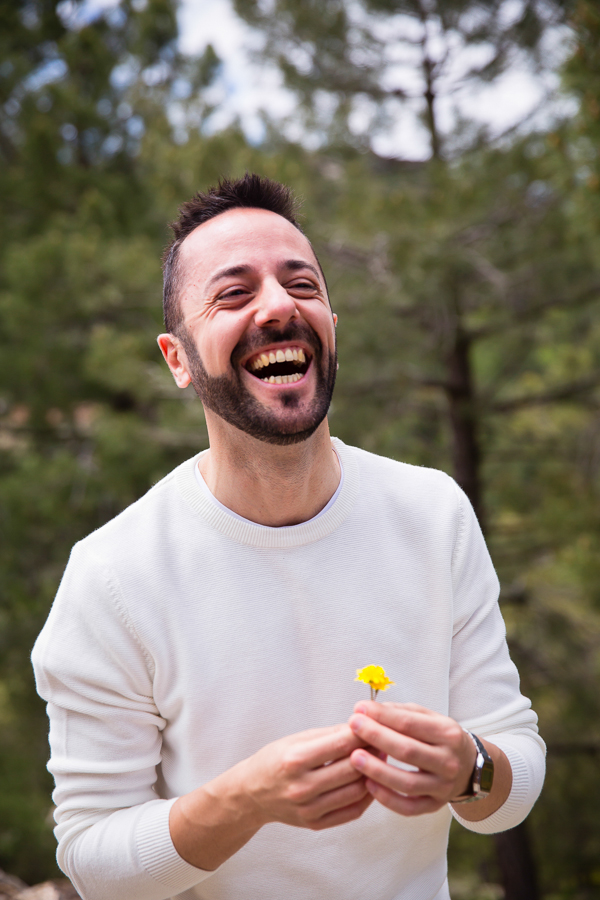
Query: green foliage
{"points": [[86, 413]]}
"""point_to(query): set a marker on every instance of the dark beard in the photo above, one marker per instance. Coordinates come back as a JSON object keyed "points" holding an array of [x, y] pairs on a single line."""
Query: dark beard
{"points": [[228, 397]]}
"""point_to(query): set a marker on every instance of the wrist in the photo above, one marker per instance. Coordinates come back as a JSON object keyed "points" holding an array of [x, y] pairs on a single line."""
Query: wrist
{"points": [[475, 812], [482, 774], [232, 797], [213, 822], [244, 797]]}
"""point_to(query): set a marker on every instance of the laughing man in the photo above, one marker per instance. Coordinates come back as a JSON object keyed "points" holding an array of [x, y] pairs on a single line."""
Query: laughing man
{"points": [[199, 659]]}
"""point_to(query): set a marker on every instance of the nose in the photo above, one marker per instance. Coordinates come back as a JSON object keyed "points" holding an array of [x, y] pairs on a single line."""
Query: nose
{"points": [[274, 305]]}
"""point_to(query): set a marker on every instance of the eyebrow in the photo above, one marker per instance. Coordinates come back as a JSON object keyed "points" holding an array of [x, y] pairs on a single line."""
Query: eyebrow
{"points": [[297, 264], [231, 272], [293, 264]]}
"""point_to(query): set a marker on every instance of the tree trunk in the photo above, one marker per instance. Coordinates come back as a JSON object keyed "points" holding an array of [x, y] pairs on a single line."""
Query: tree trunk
{"points": [[515, 861], [513, 849], [466, 454], [429, 74]]}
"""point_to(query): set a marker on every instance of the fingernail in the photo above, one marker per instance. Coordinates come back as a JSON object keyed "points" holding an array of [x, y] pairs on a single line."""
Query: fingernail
{"points": [[360, 708], [358, 759]]}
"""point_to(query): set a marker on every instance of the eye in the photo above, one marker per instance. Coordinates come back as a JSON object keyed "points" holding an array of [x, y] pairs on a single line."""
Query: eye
{"points": [[303, 285], [235, 293]]}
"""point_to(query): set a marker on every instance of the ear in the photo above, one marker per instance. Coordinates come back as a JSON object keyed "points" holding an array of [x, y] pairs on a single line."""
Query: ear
{"points": [[335, 319], [175, 358]]}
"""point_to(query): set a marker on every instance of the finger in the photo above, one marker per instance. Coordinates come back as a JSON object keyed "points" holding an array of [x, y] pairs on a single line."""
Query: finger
{"points": [[315, 733], [334, 800], [333, 776], [341, 816], [406, 806], [411, 783], [406, 717], [417, 722], [330, 747], [298, 760], [375, 705], [430, 758], [312, 735], [380, 754]]}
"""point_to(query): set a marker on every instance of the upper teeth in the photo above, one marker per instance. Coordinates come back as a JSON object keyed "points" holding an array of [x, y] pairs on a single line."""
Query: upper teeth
{"points": [[290, 354]]}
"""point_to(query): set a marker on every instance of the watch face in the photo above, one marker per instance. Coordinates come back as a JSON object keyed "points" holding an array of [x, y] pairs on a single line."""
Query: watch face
{"points": [[487, 776]]}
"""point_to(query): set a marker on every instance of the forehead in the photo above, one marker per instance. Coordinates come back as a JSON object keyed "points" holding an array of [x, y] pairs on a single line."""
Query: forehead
{"points": [[255, 237]]}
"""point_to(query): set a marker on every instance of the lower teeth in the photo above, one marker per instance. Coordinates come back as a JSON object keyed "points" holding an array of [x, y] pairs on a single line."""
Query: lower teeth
{"points": [[283, 379]]}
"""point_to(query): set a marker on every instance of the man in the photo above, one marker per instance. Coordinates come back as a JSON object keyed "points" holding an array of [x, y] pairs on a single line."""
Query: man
{"points": [[198, 662]]}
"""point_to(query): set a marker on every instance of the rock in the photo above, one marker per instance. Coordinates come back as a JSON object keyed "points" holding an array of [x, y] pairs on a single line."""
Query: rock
{"points": [[11, 881], [61, 889], [10, 886]]}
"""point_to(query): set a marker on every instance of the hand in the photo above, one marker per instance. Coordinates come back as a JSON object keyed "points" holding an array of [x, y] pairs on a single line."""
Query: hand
{"points": [[443, 754], [307, 779]]}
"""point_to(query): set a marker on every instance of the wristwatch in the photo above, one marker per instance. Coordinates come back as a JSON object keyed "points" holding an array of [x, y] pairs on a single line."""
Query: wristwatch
{"points": [[482, 778]]}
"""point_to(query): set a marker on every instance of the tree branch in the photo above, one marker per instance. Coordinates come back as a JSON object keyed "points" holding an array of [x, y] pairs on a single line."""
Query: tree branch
{"points": [[556, 395], [566, 748], [534, 311]]}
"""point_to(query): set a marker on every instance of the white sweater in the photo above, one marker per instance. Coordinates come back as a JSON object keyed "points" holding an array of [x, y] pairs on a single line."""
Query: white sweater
{"points": [[183, 639]]}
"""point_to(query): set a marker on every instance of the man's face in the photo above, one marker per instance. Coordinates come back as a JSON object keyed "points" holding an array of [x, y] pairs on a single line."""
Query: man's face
{"points": [[259, 334]]}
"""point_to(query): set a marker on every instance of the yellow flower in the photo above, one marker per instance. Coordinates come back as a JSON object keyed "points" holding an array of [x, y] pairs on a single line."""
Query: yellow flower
{"points": [[375, 677]]}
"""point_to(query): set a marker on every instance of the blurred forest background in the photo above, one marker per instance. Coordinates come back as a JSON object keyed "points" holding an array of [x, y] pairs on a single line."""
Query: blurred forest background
{"points": [[468, 289]]}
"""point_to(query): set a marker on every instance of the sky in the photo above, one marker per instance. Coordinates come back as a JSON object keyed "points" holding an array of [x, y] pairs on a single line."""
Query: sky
{"points": [[244, 88]]}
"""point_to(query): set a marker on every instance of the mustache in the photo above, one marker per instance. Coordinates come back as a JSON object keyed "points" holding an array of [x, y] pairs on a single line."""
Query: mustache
{"points": [[293, 331]]}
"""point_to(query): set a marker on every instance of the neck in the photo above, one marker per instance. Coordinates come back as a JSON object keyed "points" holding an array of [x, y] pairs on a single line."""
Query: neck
{"points": [[267, 483]]}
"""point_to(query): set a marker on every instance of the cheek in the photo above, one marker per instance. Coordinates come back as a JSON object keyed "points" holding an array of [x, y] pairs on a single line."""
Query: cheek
{"points": [[328, 331], [322, 322], [217, 343], [215, 357]]}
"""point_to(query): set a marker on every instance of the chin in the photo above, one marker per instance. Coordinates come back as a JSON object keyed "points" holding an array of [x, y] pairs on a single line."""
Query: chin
{"points": [[284, 439], [270, 431]]}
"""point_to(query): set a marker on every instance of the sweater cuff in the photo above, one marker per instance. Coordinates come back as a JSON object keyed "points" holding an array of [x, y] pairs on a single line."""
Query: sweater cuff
{"points": [[157, 851], [527, 779]]}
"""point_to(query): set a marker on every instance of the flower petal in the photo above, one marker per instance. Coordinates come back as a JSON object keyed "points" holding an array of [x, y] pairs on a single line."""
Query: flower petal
{"points": [[374, 676]]}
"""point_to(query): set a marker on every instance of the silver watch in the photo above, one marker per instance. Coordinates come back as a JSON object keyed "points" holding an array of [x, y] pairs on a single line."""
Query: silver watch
{"points": [[482, 778]]}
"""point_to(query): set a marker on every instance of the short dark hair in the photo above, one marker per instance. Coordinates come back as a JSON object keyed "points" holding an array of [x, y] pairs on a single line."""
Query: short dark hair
{"points": [[251, 191]]}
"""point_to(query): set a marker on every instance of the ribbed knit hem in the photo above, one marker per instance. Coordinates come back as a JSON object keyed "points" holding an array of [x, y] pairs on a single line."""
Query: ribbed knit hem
{"points": [[526, 786], [158, 854], [245, 532]]}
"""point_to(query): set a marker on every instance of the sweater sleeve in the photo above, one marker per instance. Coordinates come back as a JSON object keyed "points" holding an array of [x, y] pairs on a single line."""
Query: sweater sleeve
{"points": [[485, 696], [113, 832]]}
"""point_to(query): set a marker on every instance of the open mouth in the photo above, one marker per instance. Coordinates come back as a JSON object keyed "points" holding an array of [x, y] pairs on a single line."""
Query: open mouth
{"points": [[286, 365]]}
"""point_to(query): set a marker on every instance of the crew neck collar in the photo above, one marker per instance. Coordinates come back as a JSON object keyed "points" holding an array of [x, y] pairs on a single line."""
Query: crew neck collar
{"points": [[207, 492], [251, 533]]}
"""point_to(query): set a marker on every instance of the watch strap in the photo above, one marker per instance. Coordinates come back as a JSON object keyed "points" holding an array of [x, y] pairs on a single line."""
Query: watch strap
{"points": [[483, 774]]}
